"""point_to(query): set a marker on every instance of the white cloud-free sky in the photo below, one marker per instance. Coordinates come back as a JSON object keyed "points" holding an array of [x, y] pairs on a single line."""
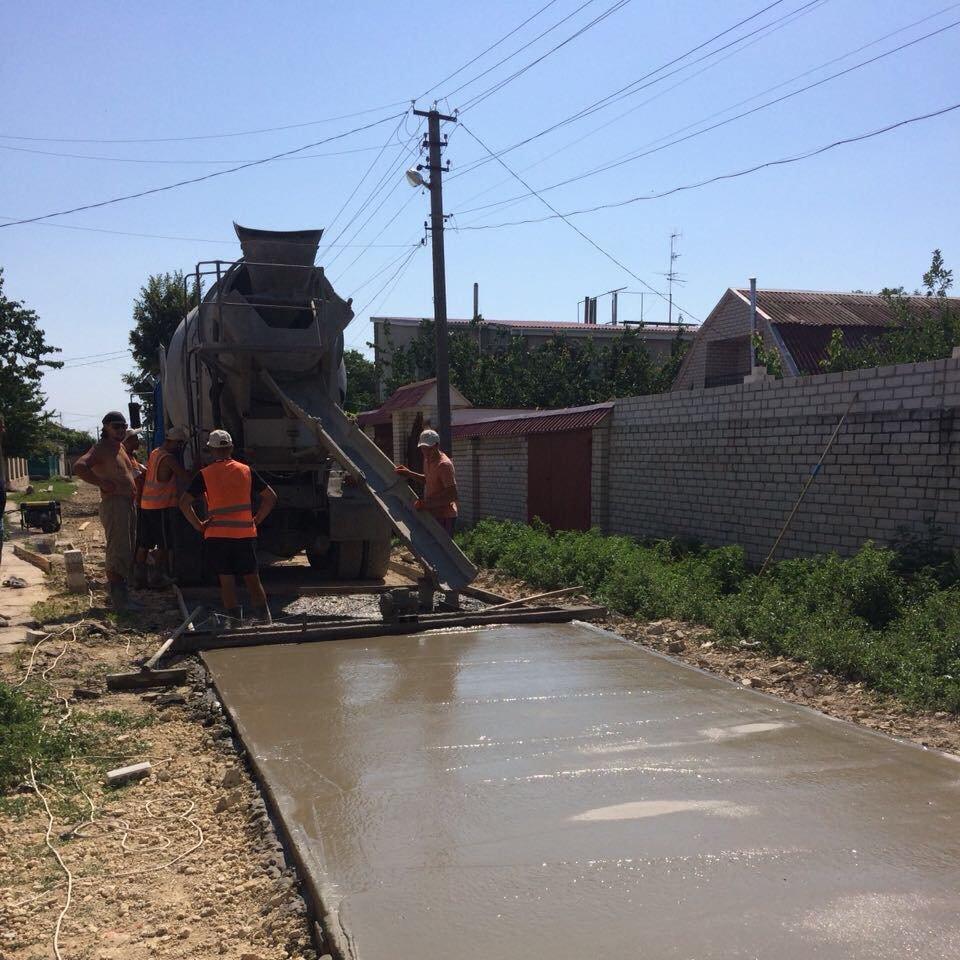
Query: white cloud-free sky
{"points": [[104, 99]]}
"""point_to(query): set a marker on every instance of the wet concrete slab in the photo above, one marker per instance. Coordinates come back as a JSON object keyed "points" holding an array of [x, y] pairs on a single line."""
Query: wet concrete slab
{"points": [[554, 792]]}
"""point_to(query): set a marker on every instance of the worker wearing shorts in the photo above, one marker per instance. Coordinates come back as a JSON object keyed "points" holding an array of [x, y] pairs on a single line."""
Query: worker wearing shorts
{"points": [[229, 489]]}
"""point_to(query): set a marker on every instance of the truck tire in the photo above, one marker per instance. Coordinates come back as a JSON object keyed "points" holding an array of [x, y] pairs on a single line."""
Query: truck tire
{"points": [[342, 561], [353, 560]]}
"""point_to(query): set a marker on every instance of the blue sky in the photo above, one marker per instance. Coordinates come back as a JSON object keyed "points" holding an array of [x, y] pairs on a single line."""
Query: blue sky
{"points": [[861, 216]]}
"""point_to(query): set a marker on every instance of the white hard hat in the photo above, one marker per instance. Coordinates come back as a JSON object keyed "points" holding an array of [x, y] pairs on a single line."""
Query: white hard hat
{"points": [[429, 438], [219, 439], [178, 434]]}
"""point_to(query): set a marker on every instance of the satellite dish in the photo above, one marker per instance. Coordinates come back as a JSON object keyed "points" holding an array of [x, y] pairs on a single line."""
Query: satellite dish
{"points": [[414, 178]]}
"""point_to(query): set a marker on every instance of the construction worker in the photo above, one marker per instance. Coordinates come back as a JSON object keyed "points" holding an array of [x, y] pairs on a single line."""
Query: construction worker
{"points": [[159, 497], [107, 465], [439, 481], [230, 530]]}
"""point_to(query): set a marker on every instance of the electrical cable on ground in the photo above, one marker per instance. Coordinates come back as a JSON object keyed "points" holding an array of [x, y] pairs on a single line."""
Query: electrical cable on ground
{"points": [[208, 176], [724, 176], [576, 229], [56, 853]]}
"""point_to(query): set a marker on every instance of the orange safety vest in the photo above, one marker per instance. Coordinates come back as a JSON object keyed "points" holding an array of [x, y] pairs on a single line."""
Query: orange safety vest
{"points": [[228, 495], [157, 495]]}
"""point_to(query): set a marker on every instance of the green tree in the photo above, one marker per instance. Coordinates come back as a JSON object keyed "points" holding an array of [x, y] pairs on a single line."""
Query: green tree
{"points": [[72, 441], [361, 382], [24, 355], [163, 302], [502, 370]]}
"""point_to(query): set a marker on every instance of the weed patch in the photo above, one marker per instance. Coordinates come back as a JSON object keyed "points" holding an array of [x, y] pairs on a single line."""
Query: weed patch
{"points": [[890, 621]]}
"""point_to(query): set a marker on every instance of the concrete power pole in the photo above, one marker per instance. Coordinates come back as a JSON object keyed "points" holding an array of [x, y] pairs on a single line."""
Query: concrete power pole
{"points": [[435, 167]]}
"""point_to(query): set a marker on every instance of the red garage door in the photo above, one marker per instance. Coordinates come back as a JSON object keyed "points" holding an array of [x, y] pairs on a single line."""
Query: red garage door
{"points": [[558, 479]]}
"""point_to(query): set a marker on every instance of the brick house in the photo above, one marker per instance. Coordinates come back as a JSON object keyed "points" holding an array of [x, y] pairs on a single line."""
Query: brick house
{"points": [[797, 323]]}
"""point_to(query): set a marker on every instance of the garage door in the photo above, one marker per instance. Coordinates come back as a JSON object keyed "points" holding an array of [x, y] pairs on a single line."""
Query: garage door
{"points": [[558, 479]]}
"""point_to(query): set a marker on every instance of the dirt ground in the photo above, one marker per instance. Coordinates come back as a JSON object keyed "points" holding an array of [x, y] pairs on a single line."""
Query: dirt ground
{"points": [[185, 863], [182, 864]]}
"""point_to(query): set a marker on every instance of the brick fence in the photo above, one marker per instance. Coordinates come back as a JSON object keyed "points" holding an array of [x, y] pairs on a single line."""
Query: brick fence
{"points": [[724, 465]]}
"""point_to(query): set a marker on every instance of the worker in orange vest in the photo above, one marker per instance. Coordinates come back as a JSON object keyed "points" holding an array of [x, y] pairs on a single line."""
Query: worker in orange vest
{"points": [[230, 530], [158, 498]]}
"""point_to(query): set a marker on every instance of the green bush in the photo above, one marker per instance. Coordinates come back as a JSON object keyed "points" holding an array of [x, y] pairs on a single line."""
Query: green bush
{"points": [[878, 616]]}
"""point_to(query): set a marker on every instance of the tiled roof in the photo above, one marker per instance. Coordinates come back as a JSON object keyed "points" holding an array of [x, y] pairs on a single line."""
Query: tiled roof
{"points": [[402, 398], [808, 344], [536, 421], [818, 308]]}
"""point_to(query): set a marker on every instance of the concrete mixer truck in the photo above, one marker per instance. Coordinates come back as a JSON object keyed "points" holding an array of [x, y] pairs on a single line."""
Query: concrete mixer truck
{"points": [[262, 357]]}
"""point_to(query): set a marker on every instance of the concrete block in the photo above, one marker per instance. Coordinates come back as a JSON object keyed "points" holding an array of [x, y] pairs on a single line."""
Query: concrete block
{"points": [[121, 775], [76, 579]]}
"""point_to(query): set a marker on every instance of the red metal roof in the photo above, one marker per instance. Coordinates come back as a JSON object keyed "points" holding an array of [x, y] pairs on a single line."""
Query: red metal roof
{"points": [[808, 344], [536, 421], [402, 398], [818, 308]]}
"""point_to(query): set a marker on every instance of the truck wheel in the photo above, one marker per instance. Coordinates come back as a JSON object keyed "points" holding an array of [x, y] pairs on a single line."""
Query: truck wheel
{"points": [[342, 561], [377, 558]]}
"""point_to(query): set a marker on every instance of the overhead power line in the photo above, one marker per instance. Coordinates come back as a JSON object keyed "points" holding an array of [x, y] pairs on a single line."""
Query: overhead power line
{"points": [[490, 91], [207, 176], [483, 53], [161, 236], [87, 156], [519, 50], [630, 158], [783, 161], [603, 101], [593, 243], [205, 136], [758, 34]]}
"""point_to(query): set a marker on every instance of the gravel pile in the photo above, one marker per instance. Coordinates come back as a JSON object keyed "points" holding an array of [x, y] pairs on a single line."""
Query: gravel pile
{"points": [[354, 606]]}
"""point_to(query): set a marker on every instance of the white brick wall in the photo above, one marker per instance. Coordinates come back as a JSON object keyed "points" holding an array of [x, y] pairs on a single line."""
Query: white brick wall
{"points": [[725, 465], [491, 478]]}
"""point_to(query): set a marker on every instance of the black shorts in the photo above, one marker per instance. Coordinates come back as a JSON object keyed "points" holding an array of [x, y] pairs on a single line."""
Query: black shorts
{"points": [[153, 528], [230, 555]]}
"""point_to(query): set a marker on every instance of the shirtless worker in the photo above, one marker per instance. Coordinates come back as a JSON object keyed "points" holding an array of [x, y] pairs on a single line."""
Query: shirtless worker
{"points": [[159, 498], [107, 465], [439, 481]]}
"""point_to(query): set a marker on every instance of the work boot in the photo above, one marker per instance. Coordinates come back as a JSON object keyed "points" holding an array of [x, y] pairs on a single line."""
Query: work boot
{"points": [[120, 598], [141, 576]]}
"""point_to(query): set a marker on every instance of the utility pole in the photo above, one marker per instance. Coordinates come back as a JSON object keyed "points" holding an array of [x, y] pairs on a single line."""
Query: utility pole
{"points": [[435, 144]]}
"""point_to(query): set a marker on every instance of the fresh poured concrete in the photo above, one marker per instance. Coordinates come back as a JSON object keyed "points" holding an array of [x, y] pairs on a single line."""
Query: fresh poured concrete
{"points": [[553, 792]]}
